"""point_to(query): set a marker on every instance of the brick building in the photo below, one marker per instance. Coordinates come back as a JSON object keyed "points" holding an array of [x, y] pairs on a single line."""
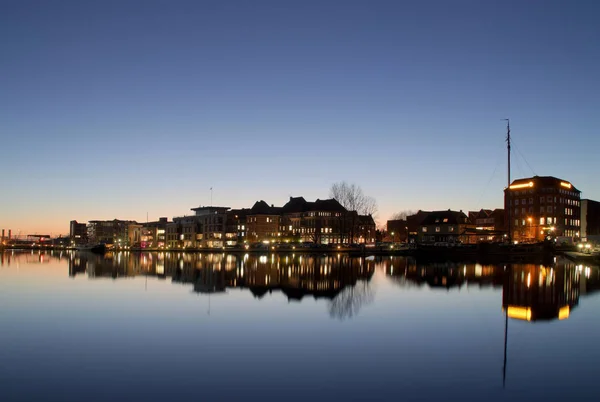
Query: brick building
{"points": [[542, 206]]}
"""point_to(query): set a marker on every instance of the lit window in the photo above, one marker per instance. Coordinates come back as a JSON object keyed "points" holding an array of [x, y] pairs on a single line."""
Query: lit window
{"points": [[424, 229], [542, 221], [437, 228]]}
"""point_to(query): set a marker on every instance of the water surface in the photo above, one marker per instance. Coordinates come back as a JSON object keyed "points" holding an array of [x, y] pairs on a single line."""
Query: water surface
{"points": [[150, 326]]}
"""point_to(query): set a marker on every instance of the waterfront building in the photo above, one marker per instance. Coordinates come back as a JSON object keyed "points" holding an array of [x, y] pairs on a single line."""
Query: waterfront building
{"points": [[320, 222], [590, 220], [263, 223], [366, 229], [211, 224], [397, 230], [445, 227], [236, 227], [489, 225], [173, 234], [153, 234], [113, 232], [542, 206], [77, 233]]}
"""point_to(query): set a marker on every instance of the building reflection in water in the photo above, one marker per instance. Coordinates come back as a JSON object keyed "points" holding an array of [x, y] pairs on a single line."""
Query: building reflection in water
{"points": [[531, 292], [408, 272], [536, 292], [342, 280], [32, 256]]}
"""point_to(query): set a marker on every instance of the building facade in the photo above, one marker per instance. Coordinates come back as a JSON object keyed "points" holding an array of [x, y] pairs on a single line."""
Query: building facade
{"points": [[489, 225], [78, 233], [540, 207], [590, 220], [153, 234], [263, 223], [319, 222], [445, 227], [115, 232]]}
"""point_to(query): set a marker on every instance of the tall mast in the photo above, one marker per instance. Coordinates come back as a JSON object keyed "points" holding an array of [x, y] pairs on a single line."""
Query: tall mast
{"points": [[508, 204]]}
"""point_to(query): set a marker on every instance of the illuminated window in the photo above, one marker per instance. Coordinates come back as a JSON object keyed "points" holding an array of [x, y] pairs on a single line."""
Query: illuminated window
{"points": [[542, 221], [424, 229], [437, 229]]}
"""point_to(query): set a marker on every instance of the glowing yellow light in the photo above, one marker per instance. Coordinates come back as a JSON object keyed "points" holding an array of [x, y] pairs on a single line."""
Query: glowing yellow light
{"points": [[524, 185], [519, 313], [565, 184], [563, 313]]}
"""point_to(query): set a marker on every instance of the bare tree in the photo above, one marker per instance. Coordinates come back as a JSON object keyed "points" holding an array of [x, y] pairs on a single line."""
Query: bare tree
{"points": [[353, 198], [349, 301], [402, 215]]}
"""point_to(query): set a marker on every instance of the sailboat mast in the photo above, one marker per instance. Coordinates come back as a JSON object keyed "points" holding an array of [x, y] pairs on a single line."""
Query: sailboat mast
{"points": [[508, 146], [508, 204]]}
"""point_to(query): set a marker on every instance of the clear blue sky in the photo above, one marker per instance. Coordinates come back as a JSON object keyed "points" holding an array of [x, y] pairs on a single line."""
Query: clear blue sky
{"points": [[111, 109]]}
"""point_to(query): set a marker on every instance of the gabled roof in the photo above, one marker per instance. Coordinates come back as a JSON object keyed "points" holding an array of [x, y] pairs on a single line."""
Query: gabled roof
{"points": [[299, 204], [329, 205], [262, 208], [295, 204], [445, 217]]}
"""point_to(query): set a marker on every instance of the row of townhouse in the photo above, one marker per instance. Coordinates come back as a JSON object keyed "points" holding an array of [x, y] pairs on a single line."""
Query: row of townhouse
{"points": [[535, 208], [448, 227], [320, 222], [123, 233]]}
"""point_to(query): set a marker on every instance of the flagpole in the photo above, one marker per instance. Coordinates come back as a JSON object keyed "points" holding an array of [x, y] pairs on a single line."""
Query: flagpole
{"points": [[211, 196]]}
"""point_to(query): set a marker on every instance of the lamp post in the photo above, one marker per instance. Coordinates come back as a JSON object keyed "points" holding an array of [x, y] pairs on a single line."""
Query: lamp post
{"points": [[530, 227], [407, 234], [392, 237]]}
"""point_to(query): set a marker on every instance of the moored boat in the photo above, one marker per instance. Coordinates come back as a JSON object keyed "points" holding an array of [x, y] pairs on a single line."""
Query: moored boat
{"points": [[94, 248]]}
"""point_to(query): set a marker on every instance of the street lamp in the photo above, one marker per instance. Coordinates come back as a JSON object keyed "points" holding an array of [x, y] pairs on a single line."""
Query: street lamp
{"points": [[392, 237], [530, 220]]}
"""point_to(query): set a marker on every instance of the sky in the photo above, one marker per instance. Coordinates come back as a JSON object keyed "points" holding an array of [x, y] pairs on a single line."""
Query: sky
{"points": [[134, 109]]}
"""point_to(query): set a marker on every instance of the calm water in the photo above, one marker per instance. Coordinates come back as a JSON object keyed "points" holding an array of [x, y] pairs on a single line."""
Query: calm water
{"points": [[127, 326]]}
